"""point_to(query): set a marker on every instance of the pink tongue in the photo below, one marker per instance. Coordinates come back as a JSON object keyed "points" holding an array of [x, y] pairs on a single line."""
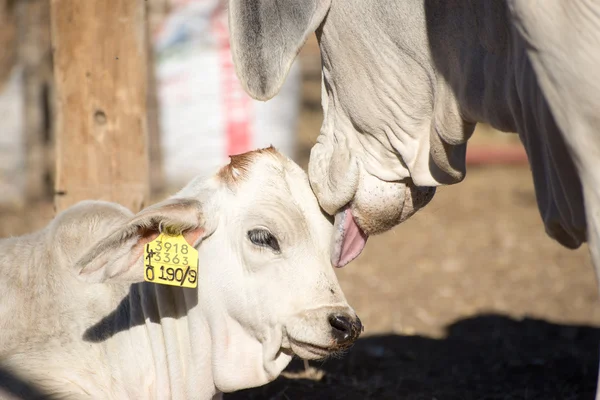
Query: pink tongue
{"points": [[348, 239]]}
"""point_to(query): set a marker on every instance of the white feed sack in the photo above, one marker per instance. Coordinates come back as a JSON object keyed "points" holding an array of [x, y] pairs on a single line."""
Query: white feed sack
{"points": [[205, 115], [12, 148]]}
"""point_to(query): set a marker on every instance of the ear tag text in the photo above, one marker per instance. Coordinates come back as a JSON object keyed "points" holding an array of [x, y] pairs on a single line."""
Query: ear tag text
{"points": [[170, 260]]}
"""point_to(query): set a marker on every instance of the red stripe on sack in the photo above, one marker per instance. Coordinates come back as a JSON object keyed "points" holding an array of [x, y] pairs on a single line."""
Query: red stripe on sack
{"points": [[504, 155], [236, 103]]}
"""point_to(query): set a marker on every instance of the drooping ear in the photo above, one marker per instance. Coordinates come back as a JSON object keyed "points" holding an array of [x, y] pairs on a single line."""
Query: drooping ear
{"points": [[266, 36], [117, 257]]}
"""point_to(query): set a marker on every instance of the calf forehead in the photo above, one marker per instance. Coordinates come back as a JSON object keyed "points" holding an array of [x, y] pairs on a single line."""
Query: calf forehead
{"points": [[270, 183], [266, 174], [283, 180]]}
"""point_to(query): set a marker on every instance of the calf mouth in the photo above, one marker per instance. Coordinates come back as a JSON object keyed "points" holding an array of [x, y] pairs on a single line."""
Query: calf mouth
{"points": [[312, 351]]}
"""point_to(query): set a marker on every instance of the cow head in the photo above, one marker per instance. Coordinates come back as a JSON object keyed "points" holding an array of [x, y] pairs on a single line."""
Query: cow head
{"points": [[392, 131]]}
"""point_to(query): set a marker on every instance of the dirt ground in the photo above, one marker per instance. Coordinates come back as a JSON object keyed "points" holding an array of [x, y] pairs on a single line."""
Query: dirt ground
{"points": [[467, 300]]}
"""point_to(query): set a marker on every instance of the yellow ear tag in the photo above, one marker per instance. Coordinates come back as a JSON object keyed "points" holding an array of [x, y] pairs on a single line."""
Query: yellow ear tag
{"points": [[170, 260]]}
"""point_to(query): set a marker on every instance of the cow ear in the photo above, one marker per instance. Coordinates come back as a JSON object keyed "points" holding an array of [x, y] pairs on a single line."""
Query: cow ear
{"points": [[118, 257], [266, 36]]}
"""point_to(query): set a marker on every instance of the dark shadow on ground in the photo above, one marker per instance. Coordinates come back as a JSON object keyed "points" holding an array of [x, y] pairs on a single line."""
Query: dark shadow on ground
{"points": [[487, 357]]}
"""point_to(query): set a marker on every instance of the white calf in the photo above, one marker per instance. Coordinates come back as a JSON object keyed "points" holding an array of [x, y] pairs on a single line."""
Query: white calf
{"points": [[78, 321]]}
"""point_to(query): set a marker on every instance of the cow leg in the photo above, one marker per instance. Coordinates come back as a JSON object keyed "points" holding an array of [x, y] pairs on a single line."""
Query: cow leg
{"points": [[591, 192], [592, 204], [563, 47]]}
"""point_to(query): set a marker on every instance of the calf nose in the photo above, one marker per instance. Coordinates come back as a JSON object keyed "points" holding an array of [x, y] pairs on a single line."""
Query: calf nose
{"points": [[345, 329]]}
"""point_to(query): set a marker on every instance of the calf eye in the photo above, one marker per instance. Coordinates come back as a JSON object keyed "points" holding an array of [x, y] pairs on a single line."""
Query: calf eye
{"points": [[263, 238]]}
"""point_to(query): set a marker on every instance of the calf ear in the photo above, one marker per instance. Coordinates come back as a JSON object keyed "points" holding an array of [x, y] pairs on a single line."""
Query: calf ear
{"points": [[117, 257], [266, 36]]}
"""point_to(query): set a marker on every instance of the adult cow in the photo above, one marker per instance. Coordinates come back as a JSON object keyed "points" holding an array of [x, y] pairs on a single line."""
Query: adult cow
{"points": [[405, 81]]}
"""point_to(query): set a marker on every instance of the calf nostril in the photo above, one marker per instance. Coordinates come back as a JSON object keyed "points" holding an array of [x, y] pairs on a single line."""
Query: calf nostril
{"points": [[344, 329], [340, 322]]}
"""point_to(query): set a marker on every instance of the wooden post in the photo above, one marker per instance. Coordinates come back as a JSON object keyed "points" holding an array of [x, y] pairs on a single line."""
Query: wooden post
{"points": [[156, 11], [8, 39], [35, 57], [100, 68]]}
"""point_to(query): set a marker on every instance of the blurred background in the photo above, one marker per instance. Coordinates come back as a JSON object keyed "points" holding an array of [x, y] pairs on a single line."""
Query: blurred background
{"points": [[469, 299]]}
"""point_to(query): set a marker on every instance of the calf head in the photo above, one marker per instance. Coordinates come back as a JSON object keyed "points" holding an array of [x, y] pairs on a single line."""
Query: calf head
{"points": [[266, 287]]}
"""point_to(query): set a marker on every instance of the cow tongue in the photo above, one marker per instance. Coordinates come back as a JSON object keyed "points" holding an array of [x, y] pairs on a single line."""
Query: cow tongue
{"points": [[348, 239]]}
